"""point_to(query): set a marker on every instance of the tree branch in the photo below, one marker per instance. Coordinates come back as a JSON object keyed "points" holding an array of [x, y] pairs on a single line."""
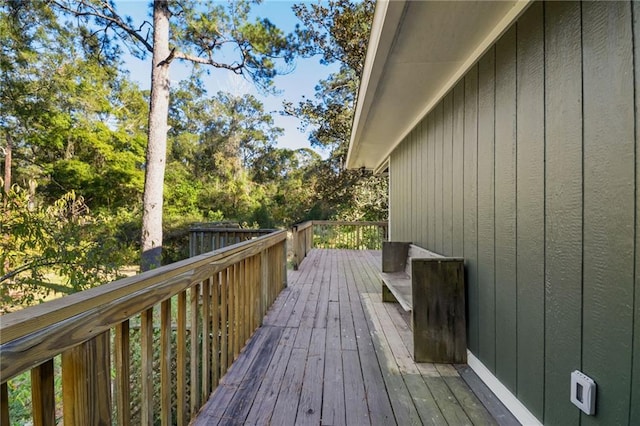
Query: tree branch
{"points": [[237, 68], [115, 20]]}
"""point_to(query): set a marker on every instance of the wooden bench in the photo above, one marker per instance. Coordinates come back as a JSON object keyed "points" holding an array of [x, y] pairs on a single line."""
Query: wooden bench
{"points": [[431, 286]]}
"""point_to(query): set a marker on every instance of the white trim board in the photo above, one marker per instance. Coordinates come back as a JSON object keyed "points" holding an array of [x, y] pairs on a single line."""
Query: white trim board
{"points": [[505, 396]]}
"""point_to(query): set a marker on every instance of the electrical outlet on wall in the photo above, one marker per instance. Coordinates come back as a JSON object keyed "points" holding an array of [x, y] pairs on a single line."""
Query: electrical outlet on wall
{"points": [[583, 392]]}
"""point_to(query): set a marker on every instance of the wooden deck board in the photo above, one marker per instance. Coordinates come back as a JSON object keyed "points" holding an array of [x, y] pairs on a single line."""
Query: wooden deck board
{"points": [[330, 352]]}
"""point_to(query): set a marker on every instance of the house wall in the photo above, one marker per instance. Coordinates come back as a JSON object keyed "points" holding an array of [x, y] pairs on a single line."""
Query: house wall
{"points": [[528, 169]]}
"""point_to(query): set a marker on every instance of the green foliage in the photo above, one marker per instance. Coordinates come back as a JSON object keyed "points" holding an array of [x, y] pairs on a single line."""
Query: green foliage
{"points": [[60, 248], [338, 31]]}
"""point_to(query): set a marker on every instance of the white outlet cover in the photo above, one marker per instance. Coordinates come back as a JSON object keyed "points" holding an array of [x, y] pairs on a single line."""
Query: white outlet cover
{"points": [[583, 392]]}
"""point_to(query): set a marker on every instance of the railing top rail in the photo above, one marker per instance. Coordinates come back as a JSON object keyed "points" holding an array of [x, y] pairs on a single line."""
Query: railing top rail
{"points": [[236, 230], [346, 222], [22, 323], [304, 225]]}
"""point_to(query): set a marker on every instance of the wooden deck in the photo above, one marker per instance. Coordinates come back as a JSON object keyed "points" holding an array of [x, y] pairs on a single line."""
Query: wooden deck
{"points": [[331, 353]]}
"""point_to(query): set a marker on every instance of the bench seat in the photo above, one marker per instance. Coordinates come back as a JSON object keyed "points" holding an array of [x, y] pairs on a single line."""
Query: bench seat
{"points": [[396, 271], [431, 287]]}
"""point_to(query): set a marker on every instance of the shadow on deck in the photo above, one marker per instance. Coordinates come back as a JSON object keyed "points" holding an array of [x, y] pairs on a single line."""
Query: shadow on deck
{"points": [[330, 352]]}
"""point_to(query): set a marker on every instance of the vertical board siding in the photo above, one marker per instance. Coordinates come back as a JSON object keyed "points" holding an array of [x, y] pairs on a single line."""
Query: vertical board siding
{"points": [[447, 179], [563, 199], [505, 209], [609, 173], [457, 172], [634, 415], [439, 128], [530, 173], [431, 186], [424, 230], [486, 208], [470, 177], [530, 209]]}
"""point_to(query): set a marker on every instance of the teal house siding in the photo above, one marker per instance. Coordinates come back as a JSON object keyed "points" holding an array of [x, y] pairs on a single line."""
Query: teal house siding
{"points": [[529, 169]]}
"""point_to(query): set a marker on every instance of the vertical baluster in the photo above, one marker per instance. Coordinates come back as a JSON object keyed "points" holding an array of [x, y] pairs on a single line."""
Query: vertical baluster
{"points": [[4, 405], [206, 360], [181, 359], [146, 344], [244, 312], [236, 312], [215, 314], [122, 389], [231, 314], [195, 351], [251, 296], [42, 395], [86, 382], [224, 322], [165, 362]]}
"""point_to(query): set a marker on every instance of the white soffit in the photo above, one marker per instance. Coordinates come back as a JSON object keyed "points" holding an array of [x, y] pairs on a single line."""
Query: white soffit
{"points": [[417, 52]]}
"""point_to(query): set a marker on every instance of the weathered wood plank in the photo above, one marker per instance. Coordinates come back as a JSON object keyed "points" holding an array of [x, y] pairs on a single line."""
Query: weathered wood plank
{"points": [[43, 404], [490, 402], [86, 383], [333, 408], [289, 395], [401, 401], [439, 327], [378, 401], [310, 404], [238, 408], [267, 395], [357, 410], [213, 411]]}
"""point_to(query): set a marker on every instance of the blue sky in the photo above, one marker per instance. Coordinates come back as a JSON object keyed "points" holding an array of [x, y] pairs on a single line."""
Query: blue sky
{"points": [[293, 86]]}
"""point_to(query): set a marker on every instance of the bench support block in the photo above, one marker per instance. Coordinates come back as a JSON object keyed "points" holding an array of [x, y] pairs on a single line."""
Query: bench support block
{"points": [[387, 295], [438, 315]]}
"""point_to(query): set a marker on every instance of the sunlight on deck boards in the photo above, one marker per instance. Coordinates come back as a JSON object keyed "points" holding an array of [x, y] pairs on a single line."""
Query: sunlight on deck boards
{"points": [[331, 353]]}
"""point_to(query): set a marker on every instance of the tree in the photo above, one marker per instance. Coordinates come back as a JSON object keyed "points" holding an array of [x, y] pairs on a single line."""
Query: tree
{"points": [[339, 32], [71, 121], [201, 33], [64, 238]]}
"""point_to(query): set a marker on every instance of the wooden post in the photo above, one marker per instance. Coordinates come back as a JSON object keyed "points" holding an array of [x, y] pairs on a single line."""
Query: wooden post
{"points": [[4, 405], [122, 388], [42, 395], [439, 326], [86, 383]]}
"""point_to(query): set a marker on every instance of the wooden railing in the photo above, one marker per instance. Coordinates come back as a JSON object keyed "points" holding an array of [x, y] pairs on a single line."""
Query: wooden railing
{"points": [[206, 238], [336, 234], [160, 340]]}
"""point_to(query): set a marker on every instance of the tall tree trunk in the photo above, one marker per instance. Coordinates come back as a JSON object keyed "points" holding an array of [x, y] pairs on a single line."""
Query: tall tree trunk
{"points": [[7, 163], [151, 244]]}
